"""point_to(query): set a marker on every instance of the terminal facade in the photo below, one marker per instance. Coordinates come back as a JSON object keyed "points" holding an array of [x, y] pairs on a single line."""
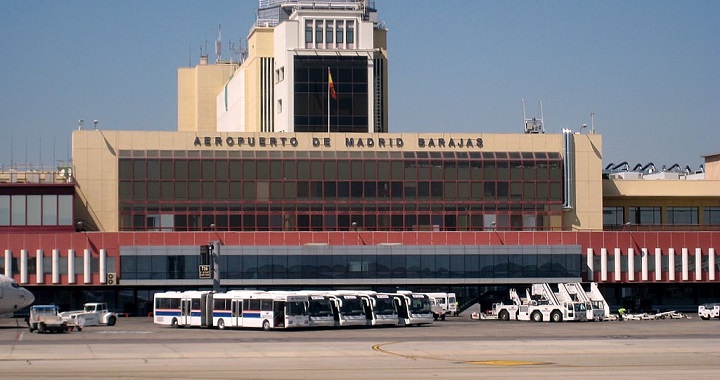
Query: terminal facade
{"points": [[284, 164]]}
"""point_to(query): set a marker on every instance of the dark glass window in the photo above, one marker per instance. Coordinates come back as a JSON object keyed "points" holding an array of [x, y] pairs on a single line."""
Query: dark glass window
{"points": [[310, 191]]}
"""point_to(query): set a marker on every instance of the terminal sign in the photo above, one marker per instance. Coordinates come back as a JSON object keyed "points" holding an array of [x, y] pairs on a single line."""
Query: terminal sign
{"points": [[204, 271]]}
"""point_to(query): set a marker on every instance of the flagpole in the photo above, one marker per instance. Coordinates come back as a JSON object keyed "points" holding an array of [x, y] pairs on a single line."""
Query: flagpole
{"points": [[328, 100]]}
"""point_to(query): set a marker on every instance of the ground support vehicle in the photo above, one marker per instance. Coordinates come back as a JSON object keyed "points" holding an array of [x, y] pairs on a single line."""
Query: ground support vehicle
{"points": [[597, 307], [442, 305], [709, 311], [45, 318], [93, 314], [654, 316], [544, 306]]}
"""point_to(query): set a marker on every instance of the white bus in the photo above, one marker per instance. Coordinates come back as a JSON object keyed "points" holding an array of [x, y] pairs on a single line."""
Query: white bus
{"points": [[320, 309], [348, 308], [382, 309], [178, 309], [256, 309], [413, 308], [442, 304]]}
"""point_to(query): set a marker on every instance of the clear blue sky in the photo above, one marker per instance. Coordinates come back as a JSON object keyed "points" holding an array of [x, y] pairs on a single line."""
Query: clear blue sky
{"points": [[648, 69]]}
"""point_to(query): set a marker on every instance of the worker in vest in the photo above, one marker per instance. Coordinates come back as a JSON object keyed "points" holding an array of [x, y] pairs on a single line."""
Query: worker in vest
{"points": [[621, 313]]}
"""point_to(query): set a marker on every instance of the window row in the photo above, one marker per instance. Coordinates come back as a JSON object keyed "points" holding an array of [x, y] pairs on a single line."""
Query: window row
{"points": [[653, 215], [335, 222], [319, 169], [329, 33], [318, 267], [36, 210], [332, 154], [328, 191]]}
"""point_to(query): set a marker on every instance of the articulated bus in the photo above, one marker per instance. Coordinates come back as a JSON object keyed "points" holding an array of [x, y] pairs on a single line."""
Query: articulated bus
{"points": [[413, 308], [178, 309], [254, 309]]}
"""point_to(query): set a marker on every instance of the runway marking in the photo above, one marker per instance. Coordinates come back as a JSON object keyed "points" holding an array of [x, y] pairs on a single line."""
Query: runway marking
{"points": [[378, 348], [19, 336]]}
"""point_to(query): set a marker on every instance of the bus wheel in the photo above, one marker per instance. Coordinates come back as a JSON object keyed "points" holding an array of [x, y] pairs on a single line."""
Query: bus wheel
{"points": [[556, 316], [221, 324], [174, 323], [504, 315], [536, 316], [266, 325]]}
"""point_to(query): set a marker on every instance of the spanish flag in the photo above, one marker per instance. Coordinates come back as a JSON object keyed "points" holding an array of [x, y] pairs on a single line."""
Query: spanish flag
{"points": [[331, 86]]}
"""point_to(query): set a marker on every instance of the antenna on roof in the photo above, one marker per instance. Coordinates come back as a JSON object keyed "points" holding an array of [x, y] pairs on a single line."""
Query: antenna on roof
{"points": [[218, 45], [533, 125], [239, 51]]}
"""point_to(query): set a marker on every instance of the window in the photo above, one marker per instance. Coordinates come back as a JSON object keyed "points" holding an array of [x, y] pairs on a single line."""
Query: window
{"points": [[351, 33], [329, 32], [4, 210], [613, 216], [33, 210], [339, 34], [712, 215], [65, 211], [644, 215], [319, 32], [308, 32], [17, 205], [682, 215]]}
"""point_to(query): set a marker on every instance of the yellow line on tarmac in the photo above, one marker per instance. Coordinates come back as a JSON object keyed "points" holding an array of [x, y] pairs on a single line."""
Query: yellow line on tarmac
{"points": [[504, 362], [378, 348]]}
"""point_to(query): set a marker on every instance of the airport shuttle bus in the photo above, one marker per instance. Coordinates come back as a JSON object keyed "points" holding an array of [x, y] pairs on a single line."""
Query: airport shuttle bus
{"points": [[265, 310], [179, 309], [413, 308], [381, 309], [320, 310], [348, 309]]}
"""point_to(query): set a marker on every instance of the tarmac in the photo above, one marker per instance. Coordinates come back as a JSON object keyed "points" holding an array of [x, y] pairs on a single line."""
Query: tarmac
{"points": [[456, 348]]}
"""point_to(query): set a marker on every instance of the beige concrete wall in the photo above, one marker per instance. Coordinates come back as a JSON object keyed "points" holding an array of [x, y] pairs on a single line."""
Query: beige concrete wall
{"points": [[95, 157], [587, 213], [198, 88], [712, 167], [96, 176], [187, 99], [260, 45]]}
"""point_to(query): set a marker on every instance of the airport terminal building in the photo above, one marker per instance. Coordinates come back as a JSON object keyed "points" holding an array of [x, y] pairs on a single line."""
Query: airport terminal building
{"points": [[284, 165]]}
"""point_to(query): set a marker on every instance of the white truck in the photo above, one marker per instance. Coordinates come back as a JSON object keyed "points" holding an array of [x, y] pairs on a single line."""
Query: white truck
{"points": [[442, 304], [45, 318], [93, 314], [709, 310], [543, 305]]}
